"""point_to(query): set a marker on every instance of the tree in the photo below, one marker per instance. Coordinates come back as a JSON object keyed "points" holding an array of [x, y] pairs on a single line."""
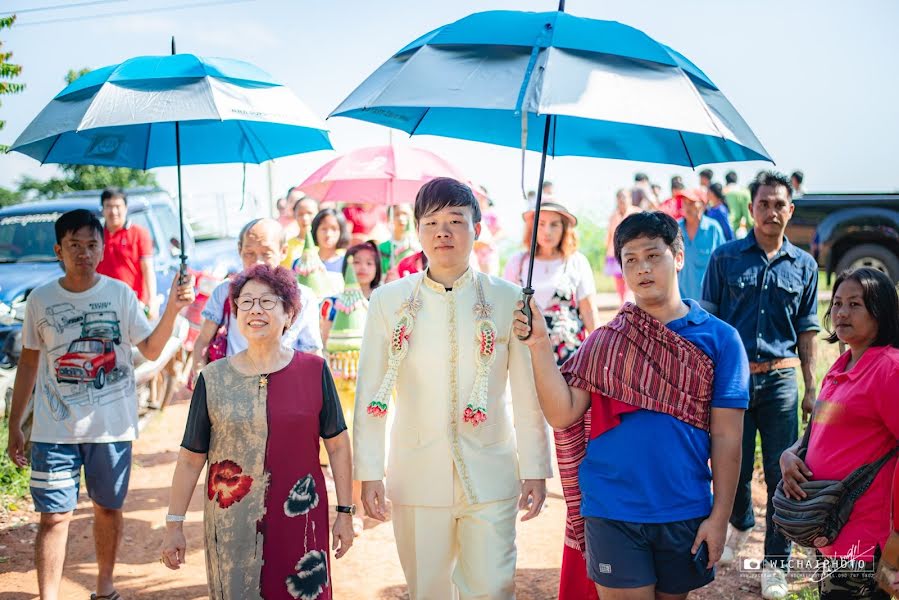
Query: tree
{"points": [[8, 197], [86, 177], [8, 70], [72, 75]]}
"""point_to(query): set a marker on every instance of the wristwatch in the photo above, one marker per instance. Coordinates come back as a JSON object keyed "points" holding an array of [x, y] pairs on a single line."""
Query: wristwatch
{"points": [[350, 510]]}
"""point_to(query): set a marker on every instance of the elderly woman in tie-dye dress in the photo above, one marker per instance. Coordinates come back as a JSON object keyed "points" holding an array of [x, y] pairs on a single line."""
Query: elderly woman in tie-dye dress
{"points": [[256, 419]]}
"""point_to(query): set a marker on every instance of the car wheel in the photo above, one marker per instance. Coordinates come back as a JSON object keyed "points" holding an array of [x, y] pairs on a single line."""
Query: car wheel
{"points": [[872, 256], [100, 379], [117, 340]]}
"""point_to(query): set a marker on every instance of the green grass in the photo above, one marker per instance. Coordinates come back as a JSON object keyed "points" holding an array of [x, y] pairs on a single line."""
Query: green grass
{"points": [[823, 283], [13, 481], [593, 246]]}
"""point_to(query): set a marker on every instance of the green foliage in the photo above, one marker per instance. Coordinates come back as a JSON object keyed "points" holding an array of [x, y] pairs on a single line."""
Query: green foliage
{"points": [[809, 593], [593, 245], [8, 197], [592, 241], [72, 75], [13, 480], [8, 70], [86, 177]]}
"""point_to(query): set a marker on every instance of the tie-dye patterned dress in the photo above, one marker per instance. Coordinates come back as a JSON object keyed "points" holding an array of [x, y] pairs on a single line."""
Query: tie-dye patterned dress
{"points": [[266, 508]]}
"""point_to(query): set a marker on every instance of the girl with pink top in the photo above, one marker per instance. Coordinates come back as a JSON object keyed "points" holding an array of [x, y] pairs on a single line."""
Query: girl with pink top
{"points": [[856, 422]]}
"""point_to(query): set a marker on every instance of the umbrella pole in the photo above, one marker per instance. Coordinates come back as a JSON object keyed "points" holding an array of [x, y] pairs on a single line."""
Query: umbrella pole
{"points": [[183, 269], [528, 292], [183, 256]]}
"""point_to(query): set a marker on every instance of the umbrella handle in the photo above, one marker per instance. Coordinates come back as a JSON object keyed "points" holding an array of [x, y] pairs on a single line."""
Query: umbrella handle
{"points": [[526, 295]]}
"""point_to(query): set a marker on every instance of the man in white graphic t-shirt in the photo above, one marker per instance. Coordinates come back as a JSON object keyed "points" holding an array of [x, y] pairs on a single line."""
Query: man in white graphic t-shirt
{"points": [[76, 356]]}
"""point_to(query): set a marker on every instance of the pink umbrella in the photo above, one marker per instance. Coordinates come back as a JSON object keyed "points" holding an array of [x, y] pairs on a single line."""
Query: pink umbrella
{"points": [[385, 175]]}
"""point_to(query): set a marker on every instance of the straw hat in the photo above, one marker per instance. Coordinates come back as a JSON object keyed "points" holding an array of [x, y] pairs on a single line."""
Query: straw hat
{"points": [[552, 206]]}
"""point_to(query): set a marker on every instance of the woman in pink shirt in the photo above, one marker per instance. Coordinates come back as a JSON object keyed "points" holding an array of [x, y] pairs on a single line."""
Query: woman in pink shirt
{"points": [[856, 422]]}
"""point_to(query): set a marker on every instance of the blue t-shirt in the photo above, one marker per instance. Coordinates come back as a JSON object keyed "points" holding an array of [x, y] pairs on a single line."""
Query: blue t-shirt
{"points": [[697, 253], [653, 468], [721, 216]]}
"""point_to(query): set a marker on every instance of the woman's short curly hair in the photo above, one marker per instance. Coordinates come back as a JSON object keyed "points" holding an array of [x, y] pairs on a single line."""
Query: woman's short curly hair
{"points": [[282, 282]]}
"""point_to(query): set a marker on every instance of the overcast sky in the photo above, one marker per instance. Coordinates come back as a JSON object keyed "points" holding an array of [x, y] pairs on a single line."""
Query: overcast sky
{"points": [[818, 81]]}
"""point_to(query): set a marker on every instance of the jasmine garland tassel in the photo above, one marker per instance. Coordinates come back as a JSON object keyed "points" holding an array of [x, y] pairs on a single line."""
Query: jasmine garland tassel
{"points": [[476, 409], [396, 352]]}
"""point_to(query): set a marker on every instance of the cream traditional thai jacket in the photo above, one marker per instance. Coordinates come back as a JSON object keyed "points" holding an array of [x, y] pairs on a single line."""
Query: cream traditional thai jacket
{"points": [[434, 384]]}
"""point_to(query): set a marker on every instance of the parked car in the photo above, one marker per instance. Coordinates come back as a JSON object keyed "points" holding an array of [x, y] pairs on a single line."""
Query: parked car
{"points": [[27, 260], [87, 360], [844, 231]]}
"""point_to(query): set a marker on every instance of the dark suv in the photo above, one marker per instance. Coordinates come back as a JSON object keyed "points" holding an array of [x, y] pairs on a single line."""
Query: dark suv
{"points": [[844, 231]]}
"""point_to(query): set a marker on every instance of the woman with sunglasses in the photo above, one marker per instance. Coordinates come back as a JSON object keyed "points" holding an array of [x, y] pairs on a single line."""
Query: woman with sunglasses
{"points": [[256, 419]]}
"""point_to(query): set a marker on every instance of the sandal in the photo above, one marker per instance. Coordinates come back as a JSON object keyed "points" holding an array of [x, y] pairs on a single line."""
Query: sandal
{"points": [[113, 596]]}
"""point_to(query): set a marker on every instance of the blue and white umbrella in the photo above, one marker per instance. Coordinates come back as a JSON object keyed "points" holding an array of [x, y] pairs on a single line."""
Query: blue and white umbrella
{"points": [[557, 84], [156, 111], [604, 90]]}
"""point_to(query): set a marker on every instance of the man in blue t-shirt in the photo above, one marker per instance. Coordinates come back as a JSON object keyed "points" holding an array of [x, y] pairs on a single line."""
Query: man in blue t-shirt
{"points": [[666, 384]]}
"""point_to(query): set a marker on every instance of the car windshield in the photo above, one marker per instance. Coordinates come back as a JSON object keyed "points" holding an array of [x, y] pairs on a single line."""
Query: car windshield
{"points": [[86, 347], [28, 238], [99, 317]]}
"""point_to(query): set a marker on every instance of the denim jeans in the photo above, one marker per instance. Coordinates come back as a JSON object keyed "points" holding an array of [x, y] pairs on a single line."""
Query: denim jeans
{"points": [[773, 402]]}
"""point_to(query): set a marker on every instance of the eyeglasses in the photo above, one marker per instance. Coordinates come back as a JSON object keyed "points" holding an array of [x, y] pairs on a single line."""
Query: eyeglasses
{"points": [[246, 303]]}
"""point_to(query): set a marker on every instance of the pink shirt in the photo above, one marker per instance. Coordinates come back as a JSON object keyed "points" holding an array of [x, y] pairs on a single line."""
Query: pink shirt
{"points": [[856, 423]]}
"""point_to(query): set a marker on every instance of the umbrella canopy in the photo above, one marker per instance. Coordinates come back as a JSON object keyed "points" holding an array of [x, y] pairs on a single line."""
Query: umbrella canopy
{"points": [[613, 91], [124, 116], [386, 175], [559, 84], [160, 111]]}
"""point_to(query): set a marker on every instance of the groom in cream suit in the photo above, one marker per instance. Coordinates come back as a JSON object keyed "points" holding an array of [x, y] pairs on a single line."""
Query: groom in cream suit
{"points": [[461, 465]]}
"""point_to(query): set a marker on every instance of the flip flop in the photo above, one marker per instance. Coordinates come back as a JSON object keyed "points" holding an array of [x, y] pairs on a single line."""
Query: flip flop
{"points": [[113, 596]]}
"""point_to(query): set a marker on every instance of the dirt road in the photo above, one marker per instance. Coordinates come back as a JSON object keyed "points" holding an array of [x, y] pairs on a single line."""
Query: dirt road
{"points": [[370, 571]]}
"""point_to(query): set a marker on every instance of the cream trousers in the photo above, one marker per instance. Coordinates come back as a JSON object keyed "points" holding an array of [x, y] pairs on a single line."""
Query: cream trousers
{"points": [[459, 552]]}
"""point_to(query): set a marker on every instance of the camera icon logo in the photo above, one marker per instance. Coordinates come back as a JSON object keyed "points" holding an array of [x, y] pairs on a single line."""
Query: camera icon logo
{"points": [[752, 564]]}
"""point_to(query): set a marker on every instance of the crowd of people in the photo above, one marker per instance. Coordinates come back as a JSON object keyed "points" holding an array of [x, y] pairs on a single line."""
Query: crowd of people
{"points": [[349, 322]]}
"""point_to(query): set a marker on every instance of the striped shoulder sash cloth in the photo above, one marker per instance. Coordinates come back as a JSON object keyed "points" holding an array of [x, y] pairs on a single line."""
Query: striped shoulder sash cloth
{"points": [[638, 361]]}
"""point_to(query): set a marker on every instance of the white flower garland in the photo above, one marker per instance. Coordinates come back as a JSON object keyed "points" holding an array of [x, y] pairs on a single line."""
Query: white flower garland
{"points": [[476, 409]]}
